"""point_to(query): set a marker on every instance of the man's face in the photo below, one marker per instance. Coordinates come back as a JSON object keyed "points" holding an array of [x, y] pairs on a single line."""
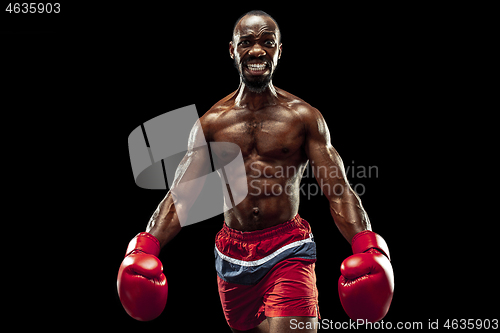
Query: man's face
{"points": [[255, 50]]}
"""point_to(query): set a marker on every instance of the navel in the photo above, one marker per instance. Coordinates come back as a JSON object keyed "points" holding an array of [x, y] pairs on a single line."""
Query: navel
{"points": [[255, 211]]}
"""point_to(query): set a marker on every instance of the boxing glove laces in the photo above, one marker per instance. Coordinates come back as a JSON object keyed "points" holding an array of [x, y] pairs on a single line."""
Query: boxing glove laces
{"points": [[142, 286], [366, 285]]}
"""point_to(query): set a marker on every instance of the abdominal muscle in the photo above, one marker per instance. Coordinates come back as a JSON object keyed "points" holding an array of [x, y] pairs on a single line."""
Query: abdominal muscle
{"points": [[270, 201]]}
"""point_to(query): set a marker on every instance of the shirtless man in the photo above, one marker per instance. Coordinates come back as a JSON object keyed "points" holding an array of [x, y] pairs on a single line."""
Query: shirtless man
{"points": [[265, 253]]}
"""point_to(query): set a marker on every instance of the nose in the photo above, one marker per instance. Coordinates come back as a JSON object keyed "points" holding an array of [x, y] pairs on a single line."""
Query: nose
{"points": [[257, 51]]}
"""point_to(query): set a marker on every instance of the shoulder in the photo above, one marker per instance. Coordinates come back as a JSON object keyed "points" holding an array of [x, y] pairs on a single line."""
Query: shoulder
{"points": [[308, 114], [209, 119]]}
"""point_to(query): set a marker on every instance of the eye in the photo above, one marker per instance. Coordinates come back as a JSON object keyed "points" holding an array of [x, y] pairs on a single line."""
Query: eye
{"points": [[244, 42], [270, 42]]}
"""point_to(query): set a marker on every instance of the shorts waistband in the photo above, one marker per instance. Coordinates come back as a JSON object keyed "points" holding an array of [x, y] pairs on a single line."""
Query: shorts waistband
{"points": [[257, 235]]}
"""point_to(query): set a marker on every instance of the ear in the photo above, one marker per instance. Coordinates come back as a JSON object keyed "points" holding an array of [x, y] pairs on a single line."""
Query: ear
{"points": [[280, 49], [231, 49]]}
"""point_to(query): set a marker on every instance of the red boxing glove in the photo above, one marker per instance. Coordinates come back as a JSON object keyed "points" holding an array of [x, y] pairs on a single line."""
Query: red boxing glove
{"points": [[142, 286], [367, 281]]}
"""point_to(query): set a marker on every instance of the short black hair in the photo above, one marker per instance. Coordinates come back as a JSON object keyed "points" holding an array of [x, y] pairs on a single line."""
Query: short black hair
{"points": [[257, 13]]}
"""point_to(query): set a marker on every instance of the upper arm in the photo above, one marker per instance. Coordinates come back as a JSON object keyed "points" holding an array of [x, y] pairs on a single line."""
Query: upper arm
{"points": [[325, 161], [190, 173], [345, 205], [172, 212], [196, 161]]}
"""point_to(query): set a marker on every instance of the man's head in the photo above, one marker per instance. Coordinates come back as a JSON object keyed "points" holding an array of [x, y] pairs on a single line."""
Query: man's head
{"points": [[256, 48]]}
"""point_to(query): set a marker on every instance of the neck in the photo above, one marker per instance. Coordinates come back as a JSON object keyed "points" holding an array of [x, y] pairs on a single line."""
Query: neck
{"points": [[253, 100]]}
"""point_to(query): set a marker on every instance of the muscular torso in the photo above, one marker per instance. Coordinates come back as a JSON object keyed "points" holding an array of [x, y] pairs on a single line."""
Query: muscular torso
{"points": [[271, 140]]}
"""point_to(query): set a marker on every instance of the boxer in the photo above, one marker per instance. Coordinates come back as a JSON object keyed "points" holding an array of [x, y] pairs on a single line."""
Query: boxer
{"points": [[265, 252]]}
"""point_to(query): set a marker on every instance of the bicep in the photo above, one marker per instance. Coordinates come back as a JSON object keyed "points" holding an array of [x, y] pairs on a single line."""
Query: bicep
{"points": [[326, 162], [189, 174], [345, 205], [185, 187]]}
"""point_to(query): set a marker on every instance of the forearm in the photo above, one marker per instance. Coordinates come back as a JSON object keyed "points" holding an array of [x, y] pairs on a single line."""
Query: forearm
{"points": [[348, 213], [164, 224]]}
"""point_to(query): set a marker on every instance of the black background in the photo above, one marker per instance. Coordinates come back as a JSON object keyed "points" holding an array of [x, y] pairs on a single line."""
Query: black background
{"points": [[385, 79]]}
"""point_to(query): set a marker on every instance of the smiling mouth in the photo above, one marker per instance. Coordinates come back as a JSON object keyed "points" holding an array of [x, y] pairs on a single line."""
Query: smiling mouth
{"points": [[257, 68]]}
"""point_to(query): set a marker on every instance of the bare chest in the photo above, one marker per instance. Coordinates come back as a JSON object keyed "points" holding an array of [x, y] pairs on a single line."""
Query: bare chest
{"points": [[272, 133]]}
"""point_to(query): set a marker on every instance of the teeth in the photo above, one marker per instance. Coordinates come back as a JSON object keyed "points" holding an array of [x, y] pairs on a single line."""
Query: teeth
{"points": [[256, 66]]}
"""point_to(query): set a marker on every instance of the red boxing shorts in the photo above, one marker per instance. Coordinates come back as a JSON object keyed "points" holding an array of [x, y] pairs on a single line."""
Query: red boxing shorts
{"points": [[266, 273]]}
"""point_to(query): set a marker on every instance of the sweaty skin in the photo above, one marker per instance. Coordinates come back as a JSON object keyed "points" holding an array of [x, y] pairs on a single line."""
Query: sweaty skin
{"points": [[278, 134]]}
